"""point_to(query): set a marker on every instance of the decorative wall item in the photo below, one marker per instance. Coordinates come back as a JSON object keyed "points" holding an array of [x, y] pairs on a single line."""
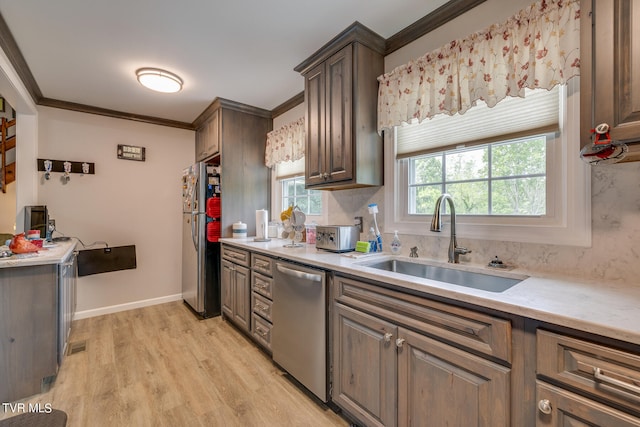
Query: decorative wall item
{"points": [[131, 152]]}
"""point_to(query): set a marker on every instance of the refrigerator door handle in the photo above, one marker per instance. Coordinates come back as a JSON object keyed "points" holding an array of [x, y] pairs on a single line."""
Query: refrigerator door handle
{"points": [[194, 214]]}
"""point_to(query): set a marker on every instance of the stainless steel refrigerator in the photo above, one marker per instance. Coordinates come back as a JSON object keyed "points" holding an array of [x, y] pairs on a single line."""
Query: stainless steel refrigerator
{"points": [[200, 250]]}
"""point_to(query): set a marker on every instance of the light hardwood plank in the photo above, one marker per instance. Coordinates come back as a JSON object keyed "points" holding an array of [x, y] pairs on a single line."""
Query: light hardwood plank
{"points": [[161, 366]]}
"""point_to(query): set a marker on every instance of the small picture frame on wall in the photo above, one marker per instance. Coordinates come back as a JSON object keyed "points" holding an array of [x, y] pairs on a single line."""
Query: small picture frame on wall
{"points": [[131, 152]]}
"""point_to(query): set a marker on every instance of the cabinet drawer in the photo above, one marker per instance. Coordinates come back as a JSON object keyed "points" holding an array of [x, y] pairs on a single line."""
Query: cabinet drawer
{"points": [[261, 331], [260, 305], [262, 284], [235, 255], [262, 264], [470, 329], [595, 369], [569, 409]]}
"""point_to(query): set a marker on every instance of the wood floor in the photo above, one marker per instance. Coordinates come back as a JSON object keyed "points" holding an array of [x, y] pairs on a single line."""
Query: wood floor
{"points": [[161, 366]]}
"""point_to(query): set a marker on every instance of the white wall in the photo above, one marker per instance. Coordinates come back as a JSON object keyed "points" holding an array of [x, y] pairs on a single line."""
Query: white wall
{"points": [[126, 202]]}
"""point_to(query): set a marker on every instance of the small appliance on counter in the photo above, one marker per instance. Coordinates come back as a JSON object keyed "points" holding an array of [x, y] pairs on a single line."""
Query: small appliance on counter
{"points": [[337, 238], [36, 218]]}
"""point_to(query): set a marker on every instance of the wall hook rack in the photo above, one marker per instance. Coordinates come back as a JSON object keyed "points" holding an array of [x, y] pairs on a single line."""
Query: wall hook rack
{"points": [[59, 166]]}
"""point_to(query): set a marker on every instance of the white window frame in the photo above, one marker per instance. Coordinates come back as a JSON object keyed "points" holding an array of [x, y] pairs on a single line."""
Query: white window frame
{"points": [[276, 203], [568, 218]]}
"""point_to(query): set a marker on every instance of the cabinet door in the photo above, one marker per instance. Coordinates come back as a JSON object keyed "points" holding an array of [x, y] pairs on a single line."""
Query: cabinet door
{"points": [[201, 141], [364, 366], [439, 385], [226, 282], [315, 123], [339, 144], [212, 145], [242, 298], [208, 137], [616, 68], [568, 409]]}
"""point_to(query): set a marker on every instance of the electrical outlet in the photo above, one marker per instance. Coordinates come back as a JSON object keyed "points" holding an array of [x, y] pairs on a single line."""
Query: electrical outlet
{"points": [[357, 221]]}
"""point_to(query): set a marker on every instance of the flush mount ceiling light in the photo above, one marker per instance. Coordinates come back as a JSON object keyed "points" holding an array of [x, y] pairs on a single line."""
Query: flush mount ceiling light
{"points": [[159, 80]]}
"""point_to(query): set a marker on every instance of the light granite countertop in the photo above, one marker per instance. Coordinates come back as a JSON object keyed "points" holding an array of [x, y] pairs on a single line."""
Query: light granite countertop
{"points": [[607, 309], [53, 253]]}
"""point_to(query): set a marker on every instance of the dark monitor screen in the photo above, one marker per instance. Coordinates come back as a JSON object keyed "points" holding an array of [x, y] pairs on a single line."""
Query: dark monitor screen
{"points": [[36, 218]]}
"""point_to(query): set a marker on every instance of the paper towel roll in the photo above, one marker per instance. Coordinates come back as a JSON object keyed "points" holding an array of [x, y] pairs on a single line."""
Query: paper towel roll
{"points": [[262, 222]]}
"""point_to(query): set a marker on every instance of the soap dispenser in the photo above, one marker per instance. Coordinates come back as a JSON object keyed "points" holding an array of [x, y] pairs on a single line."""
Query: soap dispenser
{"points": [[396, 245]]}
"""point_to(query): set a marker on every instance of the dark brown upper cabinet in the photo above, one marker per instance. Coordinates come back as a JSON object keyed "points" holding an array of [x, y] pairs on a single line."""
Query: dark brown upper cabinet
{"points": [[343, 149], [610, 70]]}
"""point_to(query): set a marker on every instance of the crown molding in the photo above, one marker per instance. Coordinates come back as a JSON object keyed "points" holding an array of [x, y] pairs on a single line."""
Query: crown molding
{"points": [[82, 108], [445, 13], [287, 105]]}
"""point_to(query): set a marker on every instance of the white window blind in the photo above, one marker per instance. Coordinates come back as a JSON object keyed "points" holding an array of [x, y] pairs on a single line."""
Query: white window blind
{"points": [[512, 117], [290, 169]]}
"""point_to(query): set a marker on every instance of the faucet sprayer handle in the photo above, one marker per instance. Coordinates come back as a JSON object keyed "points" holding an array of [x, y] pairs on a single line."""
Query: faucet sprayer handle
{"points": [[462, 251]]}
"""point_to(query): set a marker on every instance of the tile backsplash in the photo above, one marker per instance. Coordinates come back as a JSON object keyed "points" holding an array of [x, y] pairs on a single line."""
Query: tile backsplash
{"points": [[613, 256]]}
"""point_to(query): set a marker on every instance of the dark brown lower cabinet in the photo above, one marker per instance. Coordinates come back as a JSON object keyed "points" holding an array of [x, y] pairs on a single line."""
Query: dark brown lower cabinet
{"points": [[440, 385], [236, 291], [388, 375], [365, 366]]}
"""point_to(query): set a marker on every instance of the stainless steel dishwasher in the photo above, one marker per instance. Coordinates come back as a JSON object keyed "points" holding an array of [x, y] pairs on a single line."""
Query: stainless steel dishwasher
{"points": [[299, 333]]}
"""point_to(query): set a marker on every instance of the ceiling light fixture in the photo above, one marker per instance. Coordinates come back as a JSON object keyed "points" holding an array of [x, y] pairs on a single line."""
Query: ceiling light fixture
{"points": [[159, 80]]}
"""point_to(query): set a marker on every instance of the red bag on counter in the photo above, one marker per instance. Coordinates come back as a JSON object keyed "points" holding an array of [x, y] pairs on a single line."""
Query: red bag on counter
{"points": [[20, 245]]}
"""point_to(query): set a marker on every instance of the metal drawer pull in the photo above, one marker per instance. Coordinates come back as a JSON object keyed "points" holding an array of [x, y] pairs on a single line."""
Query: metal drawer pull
{"points": [[602, 377], [400, 342], [262, 264], [261, 307], [261, 285], [544, 406], [387, 337], [261, 332]]}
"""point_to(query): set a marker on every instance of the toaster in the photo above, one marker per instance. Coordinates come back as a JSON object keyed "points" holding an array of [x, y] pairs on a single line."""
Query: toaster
{"points": [[337, 238]]}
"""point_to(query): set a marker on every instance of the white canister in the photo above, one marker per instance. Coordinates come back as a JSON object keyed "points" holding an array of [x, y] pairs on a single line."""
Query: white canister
{"points": [[239, 230]]}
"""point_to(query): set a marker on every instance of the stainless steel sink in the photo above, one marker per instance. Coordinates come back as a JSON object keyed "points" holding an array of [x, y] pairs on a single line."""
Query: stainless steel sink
{"points": [[469, 279]]}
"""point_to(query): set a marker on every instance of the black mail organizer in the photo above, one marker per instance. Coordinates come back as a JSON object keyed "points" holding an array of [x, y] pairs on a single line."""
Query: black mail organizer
{"points": [[104, 260]]}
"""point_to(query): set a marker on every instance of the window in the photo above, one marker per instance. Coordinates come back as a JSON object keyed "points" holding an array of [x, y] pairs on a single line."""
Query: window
{"points": [[504, 178], [294, 194], [288, 189], [511, 182]]}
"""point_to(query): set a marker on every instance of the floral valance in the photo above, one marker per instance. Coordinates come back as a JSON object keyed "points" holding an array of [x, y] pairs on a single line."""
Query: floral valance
{"points": [[539, 47], [285, 144]]}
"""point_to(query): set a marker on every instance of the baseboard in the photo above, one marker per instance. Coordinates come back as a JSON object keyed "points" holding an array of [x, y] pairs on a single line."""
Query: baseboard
{"points": [[124, 307]]}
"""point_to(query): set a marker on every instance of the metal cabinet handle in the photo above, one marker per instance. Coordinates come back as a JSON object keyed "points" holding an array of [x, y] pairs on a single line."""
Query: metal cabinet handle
{"points": [[388, 336], [261, 332], [400, 342], [325, 176], [299, 274], [261, 307], [544, 406], [262, 264], [600, 375], [261, 285]]}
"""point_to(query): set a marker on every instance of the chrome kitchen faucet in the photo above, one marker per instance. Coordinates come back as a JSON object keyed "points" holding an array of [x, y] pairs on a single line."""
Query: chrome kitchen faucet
{"points": [[436, 225]]}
